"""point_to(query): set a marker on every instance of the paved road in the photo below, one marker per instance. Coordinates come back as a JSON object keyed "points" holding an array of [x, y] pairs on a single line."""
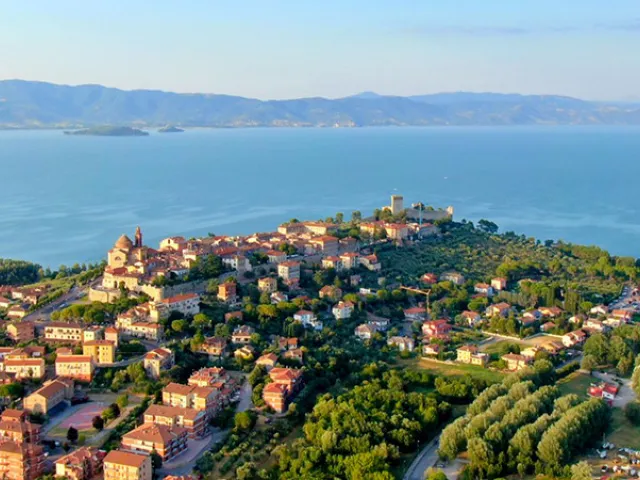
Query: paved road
{"points": [[426, 459]]}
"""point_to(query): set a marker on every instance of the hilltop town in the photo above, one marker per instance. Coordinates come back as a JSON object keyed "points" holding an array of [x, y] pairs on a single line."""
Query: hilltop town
{"points": [[234, 356]]}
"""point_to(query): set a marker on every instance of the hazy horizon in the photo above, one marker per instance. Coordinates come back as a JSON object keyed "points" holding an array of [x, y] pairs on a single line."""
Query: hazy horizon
{"points": [[286, 49]]}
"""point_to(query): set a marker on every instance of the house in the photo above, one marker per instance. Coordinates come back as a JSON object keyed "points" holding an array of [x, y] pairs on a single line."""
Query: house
{"points": [[349, 260], [382, 324], [593, 325], [308, 319], [599, 310], [15, 426], [326, 244], [81, 464], [577, 319], [194, 421], [483, 288], [429, 278], [239, 263], [92, 332], [147, 330], [5, 302], [166, 441], [365, 331], [24, 461], [61, 332], [17, 312], [21, 331], [342, 310], [296, 354], [227, 292], [187, 304], [552, 312], [235, 315], [330, 292], [78, 367], [121, 465], [501, 309], [246, 352], [371, 262], [471, 318], [607, 391], [516, 362], [214, 346], [471, 355], [289, 272], [332, 262], [49, 396], [573, 339], [25, 368], [499, 283], [415, 314], [267, 285], [277, 297], [623, 314], [276, 256], [396, 231], [286, 382], [547, 327], [207, 377], [531, 316], [158, 359], [431, 349], [453, 277], [402, 343], [242, 334], [103, 352], [268, 361], [285, 343], [436, 329]]}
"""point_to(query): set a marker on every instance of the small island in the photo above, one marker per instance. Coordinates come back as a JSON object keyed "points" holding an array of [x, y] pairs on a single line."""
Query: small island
{"points": [[108, 131], [170, 129]]}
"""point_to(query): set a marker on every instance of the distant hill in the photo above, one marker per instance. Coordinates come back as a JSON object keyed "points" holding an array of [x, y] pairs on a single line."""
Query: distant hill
{"points": [[26, 104], [107, 131]]}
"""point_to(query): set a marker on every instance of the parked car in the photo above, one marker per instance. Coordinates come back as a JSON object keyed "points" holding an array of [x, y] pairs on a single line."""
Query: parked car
{"points": [[79, 398]]}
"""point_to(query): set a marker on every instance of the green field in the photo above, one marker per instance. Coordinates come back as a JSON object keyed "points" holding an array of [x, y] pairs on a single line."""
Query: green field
{"points": [[577, 383], [622, 432], [457, 370]]}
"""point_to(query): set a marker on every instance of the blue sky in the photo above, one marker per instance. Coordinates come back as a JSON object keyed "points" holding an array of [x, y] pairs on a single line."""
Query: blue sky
{"points": [[286, 48]]}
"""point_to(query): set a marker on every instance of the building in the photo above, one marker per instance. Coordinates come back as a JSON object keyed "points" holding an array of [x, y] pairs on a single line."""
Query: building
{"points": [[599, 310], [276, 256], [17, 312], [268, 361], [437, 329], [81, 464], [499, 283], [471, 355], [15, 426], [287, 343], [349, 260], [484, 289], [365, 331], [431, 349], [25, 368], [289, 271], [501, 309], [267, 285], [61, 332], [194, 421], [453, 277], [78, 367], [164, 440], [227, 292], [402, 343], [191, 396], [286, 383], [21, 461], [21, 331], [112, 334], [246, 352], [516, 362], [308, 319], [93, 332], [187, 304], [325, 244], [49, 396], [103, 352], [157, 360], [332, 262], [607, 391], [121, 465], [547, 327], [242, 334], [415, 314], [550, 311], [214, 346], [471, 318], [342, 310], [429, 278], [573, 339], [330, 292]]}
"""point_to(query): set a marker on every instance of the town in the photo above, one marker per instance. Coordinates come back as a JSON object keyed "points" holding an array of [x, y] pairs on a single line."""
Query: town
{"points": [[201, 356]]}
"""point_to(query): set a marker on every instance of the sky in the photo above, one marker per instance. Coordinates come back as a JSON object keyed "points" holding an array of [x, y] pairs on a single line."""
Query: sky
{"points": [[272, 49]]}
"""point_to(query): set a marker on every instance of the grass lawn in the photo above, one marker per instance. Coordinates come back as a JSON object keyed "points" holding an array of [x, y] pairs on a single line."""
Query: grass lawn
{"points": [[622, 432], [577, 383], [456, 370]]}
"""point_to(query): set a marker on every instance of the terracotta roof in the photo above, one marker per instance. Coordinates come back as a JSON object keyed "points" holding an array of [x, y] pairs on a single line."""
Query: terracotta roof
{"points": [[167, 411], [92, 343], [16, 362], [129, 459], [275, 388], [73, 359], [178, 389], [155, 433], [180, 298]]}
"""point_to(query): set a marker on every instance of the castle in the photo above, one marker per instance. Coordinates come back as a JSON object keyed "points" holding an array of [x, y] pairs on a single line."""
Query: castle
{"points": [[418, 212]]}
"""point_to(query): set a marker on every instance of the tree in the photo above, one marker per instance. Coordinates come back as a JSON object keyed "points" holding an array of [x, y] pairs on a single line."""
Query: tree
{"points": [[581, 471], [156, 461], [339, 218], [588, 362], [246, 471], [201, 320], [434, 474], [72, 435], [487, 226], [632, 412], [244, 420], [179, 325], [98, 423], [122, 401], [356, 216]]}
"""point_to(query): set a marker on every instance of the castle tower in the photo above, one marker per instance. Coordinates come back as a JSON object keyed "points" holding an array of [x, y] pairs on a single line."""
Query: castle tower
{"points": [[397, 204], [138, 237]]}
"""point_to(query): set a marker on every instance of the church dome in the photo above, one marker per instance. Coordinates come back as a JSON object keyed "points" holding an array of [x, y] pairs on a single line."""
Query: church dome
{"points": [[124, 243]]}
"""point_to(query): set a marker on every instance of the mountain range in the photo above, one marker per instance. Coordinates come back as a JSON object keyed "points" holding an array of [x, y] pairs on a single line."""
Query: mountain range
{"points": [[29, 104]]}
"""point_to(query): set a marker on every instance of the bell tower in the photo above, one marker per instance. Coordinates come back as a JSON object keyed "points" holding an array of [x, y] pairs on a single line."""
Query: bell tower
{"points": [[138, 237]]}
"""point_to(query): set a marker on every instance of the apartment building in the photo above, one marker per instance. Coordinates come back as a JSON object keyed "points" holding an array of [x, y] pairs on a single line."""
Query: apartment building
{"points": [[166, 441], [187, 304], [81, 464], [21, 461], [78, 367], [157, 360], [103, 352], [61, 332], [15, 426], [25, 368], [121, 465], [194, 421], [21, 331]]}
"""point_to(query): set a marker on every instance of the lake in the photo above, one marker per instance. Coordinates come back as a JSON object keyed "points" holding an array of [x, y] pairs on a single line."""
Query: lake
{"points": [[66, 199]]}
